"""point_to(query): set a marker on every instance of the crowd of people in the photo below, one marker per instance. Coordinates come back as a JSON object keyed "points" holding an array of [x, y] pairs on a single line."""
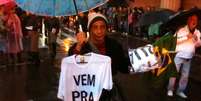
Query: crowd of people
{"points": [[20, 35], [120, 19]]}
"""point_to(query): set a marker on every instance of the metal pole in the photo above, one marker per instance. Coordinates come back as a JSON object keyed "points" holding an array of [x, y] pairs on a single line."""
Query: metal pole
{"points": [[75, 5], [76, 10]]}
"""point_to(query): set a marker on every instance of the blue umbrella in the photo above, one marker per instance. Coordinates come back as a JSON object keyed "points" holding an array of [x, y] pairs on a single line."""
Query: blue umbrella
{"points": [[58, 7]]}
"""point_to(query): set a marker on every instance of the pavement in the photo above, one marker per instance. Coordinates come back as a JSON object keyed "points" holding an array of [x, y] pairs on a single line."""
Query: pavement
{"points": [[26, 81], [29, 82]]}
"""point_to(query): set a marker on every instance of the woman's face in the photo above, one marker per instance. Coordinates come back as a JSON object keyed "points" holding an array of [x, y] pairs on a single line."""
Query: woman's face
{"points": [[98, 31]]}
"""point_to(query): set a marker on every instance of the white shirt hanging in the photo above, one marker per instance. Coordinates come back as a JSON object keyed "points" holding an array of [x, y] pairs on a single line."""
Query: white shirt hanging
{"points": [[85, 81]]}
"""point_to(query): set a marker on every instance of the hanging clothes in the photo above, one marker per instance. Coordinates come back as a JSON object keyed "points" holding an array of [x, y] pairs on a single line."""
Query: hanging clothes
{"points": [[86, 80]]}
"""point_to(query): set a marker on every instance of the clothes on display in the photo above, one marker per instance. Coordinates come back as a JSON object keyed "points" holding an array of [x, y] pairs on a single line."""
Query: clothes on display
{"points": [[143, 59], [83, 77]]}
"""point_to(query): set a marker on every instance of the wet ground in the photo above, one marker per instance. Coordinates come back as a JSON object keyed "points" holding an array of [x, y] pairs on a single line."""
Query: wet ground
{"points": [[29, 82]]}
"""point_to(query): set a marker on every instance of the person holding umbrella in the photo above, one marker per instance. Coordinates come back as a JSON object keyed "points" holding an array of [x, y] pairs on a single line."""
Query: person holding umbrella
{"points": [[188, 39], [100, 43]]}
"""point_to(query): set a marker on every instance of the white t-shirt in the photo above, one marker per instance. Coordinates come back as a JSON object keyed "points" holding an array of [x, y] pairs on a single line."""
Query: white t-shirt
{"points": [[186, 47], [143, 59], [84, 81]]}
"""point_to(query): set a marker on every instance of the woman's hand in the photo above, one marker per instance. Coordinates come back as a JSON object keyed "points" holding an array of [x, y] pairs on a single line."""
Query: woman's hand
{"points": [[81, 39]]}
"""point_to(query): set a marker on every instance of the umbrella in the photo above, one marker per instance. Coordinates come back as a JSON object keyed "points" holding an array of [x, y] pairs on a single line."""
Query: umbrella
{"points": [[2, 2], [153, 17], [58, 7], [117, 3], [179, 19]]}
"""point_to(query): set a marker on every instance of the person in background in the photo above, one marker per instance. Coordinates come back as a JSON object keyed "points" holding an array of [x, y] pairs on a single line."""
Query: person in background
{"points": [[3, 34], [14, 36], [188, 39], [100, 43], [33, 34], [53, 26]]}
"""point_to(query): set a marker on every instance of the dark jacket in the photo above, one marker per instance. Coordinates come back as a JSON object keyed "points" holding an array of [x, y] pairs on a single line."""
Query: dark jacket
{"points": [[120, 62]]}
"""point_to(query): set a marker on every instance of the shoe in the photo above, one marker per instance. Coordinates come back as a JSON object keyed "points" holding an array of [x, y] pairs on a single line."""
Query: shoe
{"points": [[182, 95], [170, 93]]}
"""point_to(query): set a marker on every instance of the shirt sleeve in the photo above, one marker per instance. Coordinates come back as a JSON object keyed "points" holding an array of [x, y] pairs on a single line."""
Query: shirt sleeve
{"points": [[107, 80], [60, 93], [198, 41]]}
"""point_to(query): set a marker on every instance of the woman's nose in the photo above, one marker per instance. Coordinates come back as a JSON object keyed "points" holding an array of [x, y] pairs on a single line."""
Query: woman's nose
{"points": [[99, 29]]}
